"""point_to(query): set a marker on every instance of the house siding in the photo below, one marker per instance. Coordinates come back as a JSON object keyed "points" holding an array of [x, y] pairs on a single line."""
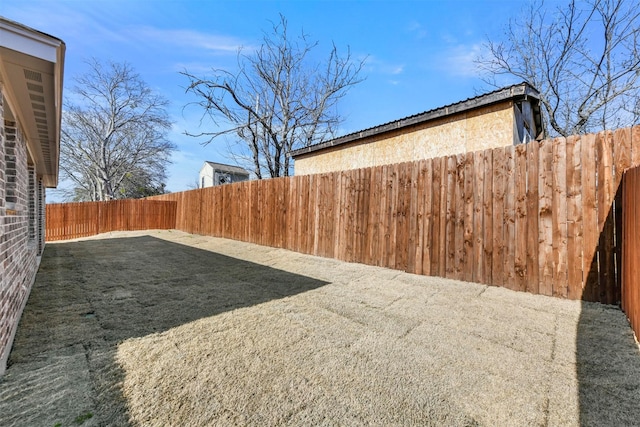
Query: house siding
{"points": [[21, 228], [210, 176], [480, 129]]}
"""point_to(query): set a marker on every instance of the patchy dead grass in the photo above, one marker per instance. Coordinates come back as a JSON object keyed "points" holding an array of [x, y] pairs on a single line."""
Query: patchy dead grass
{"points": [[192, 331]]}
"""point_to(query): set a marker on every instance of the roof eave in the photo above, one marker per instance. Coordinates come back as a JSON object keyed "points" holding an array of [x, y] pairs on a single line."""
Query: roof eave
{"points": [[30, 50], [515, 92]]}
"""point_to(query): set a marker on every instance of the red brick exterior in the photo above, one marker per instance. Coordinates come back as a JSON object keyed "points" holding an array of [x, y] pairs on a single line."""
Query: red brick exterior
{"points": [[21, 230]]}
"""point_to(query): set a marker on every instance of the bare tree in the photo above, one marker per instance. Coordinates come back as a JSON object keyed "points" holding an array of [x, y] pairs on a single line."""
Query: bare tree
{"points": [[113, 135], [278, 99], [583, 58]]}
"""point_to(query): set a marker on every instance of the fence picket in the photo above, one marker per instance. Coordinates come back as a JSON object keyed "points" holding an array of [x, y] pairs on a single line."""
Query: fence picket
{"points": [[545, 217], [509, 219], [545, 189], [425, 250], [520, 253], [604, 149], [589, 218], [497, 266], [437, 236], [559, 218], [574, 218]]}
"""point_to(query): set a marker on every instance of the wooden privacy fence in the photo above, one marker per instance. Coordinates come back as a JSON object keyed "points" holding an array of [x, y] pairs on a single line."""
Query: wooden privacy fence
{"points": [[73, 220], [542, 217], [631, 247]]}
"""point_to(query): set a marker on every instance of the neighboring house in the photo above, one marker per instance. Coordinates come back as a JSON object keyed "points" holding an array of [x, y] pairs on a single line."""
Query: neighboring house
{"points": [[212, 174], [31, 68], [507, 116]]}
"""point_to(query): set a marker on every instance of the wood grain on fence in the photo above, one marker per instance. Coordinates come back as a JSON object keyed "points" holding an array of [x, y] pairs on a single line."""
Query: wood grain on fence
{"points": [[74, 220], [543, 217], [630, 289]]}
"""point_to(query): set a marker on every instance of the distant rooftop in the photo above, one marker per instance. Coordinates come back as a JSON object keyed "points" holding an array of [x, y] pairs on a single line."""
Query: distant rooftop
{"points": [[228, 168], [515, 92]]}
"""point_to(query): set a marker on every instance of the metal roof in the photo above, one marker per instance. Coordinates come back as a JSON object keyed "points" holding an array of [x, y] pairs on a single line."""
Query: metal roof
{"points": [[515, 92], [228, 168]]}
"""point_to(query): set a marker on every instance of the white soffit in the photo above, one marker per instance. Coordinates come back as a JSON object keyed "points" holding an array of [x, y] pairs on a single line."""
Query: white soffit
{"points": [[31, 72]]}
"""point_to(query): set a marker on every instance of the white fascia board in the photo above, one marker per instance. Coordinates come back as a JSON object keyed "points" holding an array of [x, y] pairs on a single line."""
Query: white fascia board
{"points": [[28, 41], [205, 167]]}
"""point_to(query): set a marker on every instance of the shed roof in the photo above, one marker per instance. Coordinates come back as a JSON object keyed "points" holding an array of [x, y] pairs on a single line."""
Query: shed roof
{"points": [[228, 168], [515, 92]]}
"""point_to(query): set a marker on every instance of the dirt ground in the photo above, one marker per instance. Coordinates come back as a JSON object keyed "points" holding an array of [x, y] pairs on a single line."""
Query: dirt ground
{"points": [[164, 328]]}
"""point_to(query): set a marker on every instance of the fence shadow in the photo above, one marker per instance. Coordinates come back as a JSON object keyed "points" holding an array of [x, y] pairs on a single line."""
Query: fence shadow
{"points": [[607, 356], [92, 295], [608, 367]]}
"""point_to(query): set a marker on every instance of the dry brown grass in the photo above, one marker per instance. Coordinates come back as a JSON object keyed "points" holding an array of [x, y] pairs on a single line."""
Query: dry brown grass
{"points": [[227, 333]]}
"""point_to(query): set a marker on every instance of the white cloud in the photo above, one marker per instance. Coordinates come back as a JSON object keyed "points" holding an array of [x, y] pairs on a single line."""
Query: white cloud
{"points": [[459, 60], [377, 65], [417, 30], [187, 39], [74, 22], [397, 70], [194, 67]]}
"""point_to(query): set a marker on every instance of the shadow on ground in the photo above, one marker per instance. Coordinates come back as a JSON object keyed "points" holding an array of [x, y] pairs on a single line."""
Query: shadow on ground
{"points": [[91, 295], [607, 356], [608, 367]]}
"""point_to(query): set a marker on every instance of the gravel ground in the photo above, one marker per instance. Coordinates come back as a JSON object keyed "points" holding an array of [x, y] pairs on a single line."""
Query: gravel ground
{"points": [[164, 328]]}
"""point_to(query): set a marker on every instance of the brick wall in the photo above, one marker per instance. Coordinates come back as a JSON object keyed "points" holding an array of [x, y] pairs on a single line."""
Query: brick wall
{"points": [[41, 213], [20, 242]]}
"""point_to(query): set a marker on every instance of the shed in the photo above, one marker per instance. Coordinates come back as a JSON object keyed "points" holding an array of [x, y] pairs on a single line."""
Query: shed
{"points": [[507, 116], [212, 174]]}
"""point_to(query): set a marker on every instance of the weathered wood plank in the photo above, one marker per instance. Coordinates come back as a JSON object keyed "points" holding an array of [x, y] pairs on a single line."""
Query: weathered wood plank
{"points": [[514, 216], [520, 254], [621, 162], [608, 293], [622, 154], [635, 146], [574, 218], [589, 218], [545, 188], [487, 219], [468, 260], [349, 213], [339, 224], [314, 213], [478, 216], [559, 218], [402, 223], [427, 213], [363, 242], [393, 227], [459, 217], [305, 198], [386, 214], [450, 217], [357, 214], [509, 219], [437, 189], [630, 296], [499, 167], [373, 231], [415, 217], [331, 213]]}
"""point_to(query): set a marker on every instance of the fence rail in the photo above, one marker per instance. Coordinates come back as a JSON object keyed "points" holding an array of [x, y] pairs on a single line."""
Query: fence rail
{"points": [[543, 217], [74, 220]]}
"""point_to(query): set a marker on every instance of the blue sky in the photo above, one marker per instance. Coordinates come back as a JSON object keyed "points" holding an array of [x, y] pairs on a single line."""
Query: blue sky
{"points": [[419, 52]]}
